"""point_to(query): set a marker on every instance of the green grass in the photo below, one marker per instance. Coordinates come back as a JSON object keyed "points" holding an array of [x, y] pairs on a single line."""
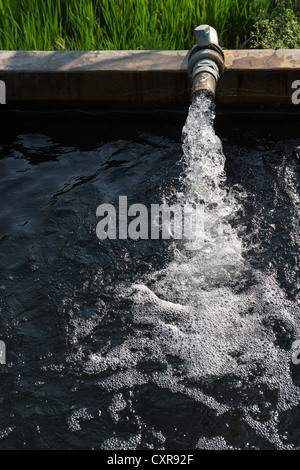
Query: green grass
{"points": [[131, 24]]}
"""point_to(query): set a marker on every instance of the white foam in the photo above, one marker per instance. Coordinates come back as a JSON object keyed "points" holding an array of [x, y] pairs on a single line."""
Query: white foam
{"points": [[196, 318]]}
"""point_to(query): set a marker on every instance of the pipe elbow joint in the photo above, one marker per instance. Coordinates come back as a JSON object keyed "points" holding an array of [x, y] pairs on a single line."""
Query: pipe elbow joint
{"points": [[206, 57]]}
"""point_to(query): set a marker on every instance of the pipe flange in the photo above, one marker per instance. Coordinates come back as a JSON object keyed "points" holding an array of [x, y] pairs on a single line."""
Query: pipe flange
{"points": [[202, 54], [207, 67]]}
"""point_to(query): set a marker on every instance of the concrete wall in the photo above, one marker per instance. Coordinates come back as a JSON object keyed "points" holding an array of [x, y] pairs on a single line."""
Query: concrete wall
{"points": [[145, 78]]}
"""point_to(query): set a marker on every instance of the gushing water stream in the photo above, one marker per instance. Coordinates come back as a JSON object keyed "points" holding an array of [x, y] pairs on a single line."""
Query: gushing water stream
{"points": [[208, 320], [147, 345]]}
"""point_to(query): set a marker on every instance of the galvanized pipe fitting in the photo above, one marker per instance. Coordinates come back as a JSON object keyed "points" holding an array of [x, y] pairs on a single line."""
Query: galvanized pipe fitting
{"points": [[206, 61]]}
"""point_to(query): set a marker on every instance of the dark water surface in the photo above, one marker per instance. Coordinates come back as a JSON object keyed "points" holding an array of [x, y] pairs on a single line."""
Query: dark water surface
{"points": [[123, 344]]}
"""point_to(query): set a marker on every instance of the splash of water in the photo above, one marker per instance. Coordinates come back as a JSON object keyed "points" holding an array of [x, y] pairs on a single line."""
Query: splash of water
{"points": [[207, 326], [206, 320]]}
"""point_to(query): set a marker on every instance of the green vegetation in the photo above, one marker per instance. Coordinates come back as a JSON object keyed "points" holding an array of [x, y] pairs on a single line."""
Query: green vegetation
{"points": [[145, 24], [280, 29]]}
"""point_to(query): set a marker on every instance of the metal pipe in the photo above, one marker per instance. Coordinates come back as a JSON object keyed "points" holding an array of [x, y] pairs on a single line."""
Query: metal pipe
{"points": [[206, 61]]}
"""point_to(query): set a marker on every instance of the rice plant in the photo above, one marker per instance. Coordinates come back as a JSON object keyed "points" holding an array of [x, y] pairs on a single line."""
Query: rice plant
{"points": [[126, 24]]}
